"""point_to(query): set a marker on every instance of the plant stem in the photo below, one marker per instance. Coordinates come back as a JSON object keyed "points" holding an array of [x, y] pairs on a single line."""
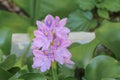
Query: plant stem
{"points": [[54, 71]]}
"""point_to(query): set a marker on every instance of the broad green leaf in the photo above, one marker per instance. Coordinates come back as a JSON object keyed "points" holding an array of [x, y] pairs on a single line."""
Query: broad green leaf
{"points": [[4, 75], [81, 21], [9, 62], [102, 67], [40, 8], [19, 73], [65, 72], [86, 4], [32, 76], [70, 78], [14, 70], [109, 35], [108, 79], [14, 22], [111, 5], [103, 13], [82, 54], [5, 40]]}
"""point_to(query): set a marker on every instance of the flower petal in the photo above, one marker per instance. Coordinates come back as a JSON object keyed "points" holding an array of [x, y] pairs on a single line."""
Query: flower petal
{"points": [[66, 43], [49, 20], [40, 24], [63, 22]]}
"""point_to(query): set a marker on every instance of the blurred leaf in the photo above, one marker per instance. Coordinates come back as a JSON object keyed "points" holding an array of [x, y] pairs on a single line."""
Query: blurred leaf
{"points": [[86, 4], [109, 35], [81, 21], [14, 22], [65, 72], [1, 53], [14, 70], [19, 73], [4, 75], [30, 31], [33, 76], [102, 67], [82, 54], [9, 62], [5, 40], [108, 79], [111, 5], [70, 78], [103, 13], [29, 64], [40, 8]]}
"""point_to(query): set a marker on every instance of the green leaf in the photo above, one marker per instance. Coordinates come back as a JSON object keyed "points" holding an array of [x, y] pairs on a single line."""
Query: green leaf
{"points": [[70, 78], [81, 21], [1, 53], [103, 13], [108, 79], [30, 31], [5, 40], [14, 70], [29, 64], [19, 73], [82, 54], [14, 22], [86, 4], [109, 35], [4, 75], [40, 8], [102, 67], [111, 5], [33, 76], [9, 62], [65, 72]]}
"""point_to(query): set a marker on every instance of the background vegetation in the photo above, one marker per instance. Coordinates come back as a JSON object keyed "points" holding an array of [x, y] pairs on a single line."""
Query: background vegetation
{"points": [[92, 62]]}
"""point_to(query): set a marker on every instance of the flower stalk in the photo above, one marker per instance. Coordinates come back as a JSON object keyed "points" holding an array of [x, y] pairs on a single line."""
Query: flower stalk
{"points": [[54, 71]]}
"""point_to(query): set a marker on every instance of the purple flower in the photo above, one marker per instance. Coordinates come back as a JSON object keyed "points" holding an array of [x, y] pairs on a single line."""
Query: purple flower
{"points": [[43, 37], [60, 30], [50, 43], [62, 55], [41, 61]]}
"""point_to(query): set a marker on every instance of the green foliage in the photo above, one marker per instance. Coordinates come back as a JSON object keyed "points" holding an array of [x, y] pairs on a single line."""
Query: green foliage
{"points": [[5, 40], [9, 62], [109, 35], [103, 13], [40, 8], [13, 21], [102, 67], [32, 76], [111, 5], [81, 21], [4, 75], [86, 4], [83, 53]]}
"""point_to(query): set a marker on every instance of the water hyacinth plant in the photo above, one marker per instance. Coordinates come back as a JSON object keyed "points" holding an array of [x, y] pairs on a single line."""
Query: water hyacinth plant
{"points": [[50, 44]]}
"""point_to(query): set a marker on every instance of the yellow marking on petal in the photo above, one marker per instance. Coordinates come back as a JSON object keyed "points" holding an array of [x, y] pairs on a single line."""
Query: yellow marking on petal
{"points": [[48, 22], [52, 43], [45, 52], [56, 24], [58, 44], [46, 33]]}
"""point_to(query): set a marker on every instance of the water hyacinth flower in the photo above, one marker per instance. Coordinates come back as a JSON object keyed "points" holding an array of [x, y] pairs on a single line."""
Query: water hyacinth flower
{"points": [[50, 43]]}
